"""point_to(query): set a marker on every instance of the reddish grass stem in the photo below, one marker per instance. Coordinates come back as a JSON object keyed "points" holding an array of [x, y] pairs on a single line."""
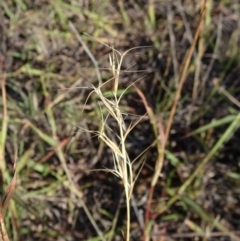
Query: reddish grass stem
{"points": [[159, 163]]}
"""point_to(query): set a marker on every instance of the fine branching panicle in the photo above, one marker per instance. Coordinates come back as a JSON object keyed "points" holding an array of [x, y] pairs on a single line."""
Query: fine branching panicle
{"points": [[117, 142]]}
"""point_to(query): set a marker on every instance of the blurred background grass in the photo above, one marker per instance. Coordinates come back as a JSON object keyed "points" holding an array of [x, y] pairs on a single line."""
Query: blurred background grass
{"points": [[47, 67]]}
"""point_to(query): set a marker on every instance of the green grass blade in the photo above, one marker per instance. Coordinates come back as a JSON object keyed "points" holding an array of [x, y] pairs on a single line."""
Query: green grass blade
{"points": [[226, 135], [214, 124], [205, 216]]}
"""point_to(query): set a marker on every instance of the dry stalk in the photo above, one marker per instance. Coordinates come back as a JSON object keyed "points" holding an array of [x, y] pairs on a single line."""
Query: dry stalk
{"points": [[165, 134], [178, 93]]}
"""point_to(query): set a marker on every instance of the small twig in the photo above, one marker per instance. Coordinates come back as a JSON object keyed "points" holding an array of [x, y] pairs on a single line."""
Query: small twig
{"points": [[87, 50], [172, 44], [186, 24], [215, 51], [226, 93], [197, 74]]}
